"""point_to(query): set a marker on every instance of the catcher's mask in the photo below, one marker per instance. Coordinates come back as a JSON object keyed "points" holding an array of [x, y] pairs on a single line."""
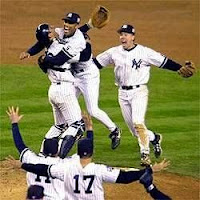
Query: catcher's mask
{"points": [[42, 33]]}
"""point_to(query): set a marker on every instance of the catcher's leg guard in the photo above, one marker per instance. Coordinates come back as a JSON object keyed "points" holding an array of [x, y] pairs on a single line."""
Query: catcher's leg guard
{"points": [[67, 144], [70, 136]]}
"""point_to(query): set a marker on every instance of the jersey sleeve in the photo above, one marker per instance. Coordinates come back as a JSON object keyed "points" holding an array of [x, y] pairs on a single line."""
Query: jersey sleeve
{"points": [[57, 170], [109, 174], [105, 58], [75, 46], [155, 58], [27, 156]]}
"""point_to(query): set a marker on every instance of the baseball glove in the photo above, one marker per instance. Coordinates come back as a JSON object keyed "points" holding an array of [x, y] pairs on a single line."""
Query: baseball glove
{"points": [[187, 70], [99, 17], [41, 64]]}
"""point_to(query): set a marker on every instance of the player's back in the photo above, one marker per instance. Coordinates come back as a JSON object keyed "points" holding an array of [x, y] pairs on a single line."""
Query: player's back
{"points": [[85, 183], [53, 188]]}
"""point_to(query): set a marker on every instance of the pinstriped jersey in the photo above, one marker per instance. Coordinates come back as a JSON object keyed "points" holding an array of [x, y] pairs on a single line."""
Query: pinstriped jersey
{"points": [[84, 183], [71, 46], [131, 67], [53, 188]]}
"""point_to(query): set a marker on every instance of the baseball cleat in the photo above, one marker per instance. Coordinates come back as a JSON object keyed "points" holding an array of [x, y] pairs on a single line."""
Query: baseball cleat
{"points": [[157, 145], [145, 160], [115, 137]]}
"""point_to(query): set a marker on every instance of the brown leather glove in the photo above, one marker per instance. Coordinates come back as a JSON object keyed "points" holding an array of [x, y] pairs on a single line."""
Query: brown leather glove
{"points": [[188, 70]]}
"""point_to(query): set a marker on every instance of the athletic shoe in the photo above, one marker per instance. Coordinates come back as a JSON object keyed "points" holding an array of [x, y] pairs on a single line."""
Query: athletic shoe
{"points": [[157, 145], [115, 137]]}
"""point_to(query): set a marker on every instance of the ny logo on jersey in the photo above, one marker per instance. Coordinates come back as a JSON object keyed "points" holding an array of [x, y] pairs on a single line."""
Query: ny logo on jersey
{"points": [[136, 64]]}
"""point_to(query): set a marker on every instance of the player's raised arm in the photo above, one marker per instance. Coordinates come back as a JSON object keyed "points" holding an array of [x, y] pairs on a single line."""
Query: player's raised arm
{"points": [[15, 117]]}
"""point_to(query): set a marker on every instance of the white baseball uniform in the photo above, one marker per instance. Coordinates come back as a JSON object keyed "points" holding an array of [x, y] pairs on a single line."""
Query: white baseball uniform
{"points": [[53, 188], [87, 80], [62, 95], [132, 68], [84, 183], [61, 92]]}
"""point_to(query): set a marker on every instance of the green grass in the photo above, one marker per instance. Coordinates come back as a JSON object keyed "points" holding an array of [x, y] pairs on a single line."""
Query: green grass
{"points": [[173, 110]]}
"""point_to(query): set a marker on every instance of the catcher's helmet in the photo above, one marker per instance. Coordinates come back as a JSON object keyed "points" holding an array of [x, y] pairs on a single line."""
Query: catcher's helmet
{"points": [[42, 32]]}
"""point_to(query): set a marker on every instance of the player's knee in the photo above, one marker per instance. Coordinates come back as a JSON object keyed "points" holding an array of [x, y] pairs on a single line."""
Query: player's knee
{"points": [[93, 111], [139, 128], [55, 131]]}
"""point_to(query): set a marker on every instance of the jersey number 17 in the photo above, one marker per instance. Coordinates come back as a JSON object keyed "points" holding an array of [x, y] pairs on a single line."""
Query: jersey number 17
{"points": [[88, 190]]}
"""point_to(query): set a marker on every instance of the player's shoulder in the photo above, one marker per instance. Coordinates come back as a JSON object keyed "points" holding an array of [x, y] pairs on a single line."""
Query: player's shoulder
{"points": [[114, 49], [78, 34], [143, 47]]}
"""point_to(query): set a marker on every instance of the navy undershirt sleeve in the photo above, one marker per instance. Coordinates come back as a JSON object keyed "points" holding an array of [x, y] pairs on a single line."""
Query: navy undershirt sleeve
{"points": [[126, 177], [171, 65], [59, 59], [36, 48], [90, 134], [86, 53], [17, 138], [40, 169], [84, 28], [156, 194]]}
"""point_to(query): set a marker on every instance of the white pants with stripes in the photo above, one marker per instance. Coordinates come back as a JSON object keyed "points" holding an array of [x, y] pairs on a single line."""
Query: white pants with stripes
{"points": [[133, 105], [87, 83], [64, 103]]}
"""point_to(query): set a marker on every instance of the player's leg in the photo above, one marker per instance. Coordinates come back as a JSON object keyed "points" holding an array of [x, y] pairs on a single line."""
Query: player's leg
{"points": [[59, 121], [141, 100], [71, 111], [139, 106], [90, 91]]}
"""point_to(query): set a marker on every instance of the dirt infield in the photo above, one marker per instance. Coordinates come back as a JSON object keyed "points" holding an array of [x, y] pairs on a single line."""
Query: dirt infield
{"points": [[170, 27], [13, 186]]}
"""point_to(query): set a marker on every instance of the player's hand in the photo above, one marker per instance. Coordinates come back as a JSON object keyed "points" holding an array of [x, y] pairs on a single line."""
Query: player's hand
{"points": [[88, 121], [161, 166], [24, 55], [13, 114], [52, 34], [12, 163]]}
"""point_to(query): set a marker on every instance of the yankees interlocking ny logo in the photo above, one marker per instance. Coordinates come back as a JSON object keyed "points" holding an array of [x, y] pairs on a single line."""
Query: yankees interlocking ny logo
{"points": [[136, 64]]}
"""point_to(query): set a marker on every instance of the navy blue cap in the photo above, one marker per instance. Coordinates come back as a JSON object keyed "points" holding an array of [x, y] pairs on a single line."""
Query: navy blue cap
{"points": [[72, 18], [35, 192], [85, 147], [127, 29], [50, 146]]}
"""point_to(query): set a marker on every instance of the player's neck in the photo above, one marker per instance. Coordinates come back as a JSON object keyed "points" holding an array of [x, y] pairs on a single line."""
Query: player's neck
{"points": [[85, 161]]}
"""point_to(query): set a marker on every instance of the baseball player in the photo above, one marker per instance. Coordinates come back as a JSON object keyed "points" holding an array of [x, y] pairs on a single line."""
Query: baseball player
{"points": [[53, 188], [87, 79], [61, 93], [132, 64], [83, 179]]}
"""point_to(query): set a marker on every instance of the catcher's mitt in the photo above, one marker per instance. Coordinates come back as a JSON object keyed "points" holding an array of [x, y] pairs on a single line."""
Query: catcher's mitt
{"points": [[187, 70], [100, 17]]}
